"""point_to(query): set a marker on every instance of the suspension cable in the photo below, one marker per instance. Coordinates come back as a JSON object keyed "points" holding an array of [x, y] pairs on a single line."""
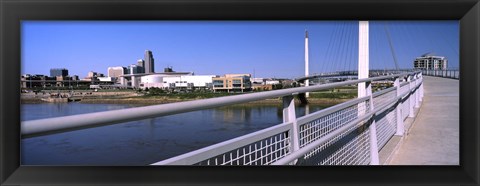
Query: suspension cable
{"points": [[391, 45]]}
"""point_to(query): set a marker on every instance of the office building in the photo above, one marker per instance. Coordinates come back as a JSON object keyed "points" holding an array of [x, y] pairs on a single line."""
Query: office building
{"points": [[430, 62], [232, 82], [149, 62], [134, 69], [116, 71], [91, 74], [140, 66], [168, 69], [54, 72]]}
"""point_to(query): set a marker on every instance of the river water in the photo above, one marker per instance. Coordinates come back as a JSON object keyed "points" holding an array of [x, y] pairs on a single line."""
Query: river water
{"points": [[141, 142]]}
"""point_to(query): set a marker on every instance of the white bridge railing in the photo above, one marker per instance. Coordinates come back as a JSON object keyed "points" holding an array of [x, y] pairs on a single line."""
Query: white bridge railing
{"points": [[350, 133], [454, 74]]}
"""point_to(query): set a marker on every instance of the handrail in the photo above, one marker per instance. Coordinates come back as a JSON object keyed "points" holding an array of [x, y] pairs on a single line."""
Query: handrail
{"points": [[332, 109], [384, 91], [196, 156], [447, 73], [46, 126], [299, 153], [236, 143]]}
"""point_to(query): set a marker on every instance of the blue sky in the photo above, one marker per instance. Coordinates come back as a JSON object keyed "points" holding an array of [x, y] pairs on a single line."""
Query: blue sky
{"points": [[268, 48]]}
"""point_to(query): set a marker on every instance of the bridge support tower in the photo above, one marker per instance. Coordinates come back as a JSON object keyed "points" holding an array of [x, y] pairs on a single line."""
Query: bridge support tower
{"points": [[365, 89], [307, 82]]}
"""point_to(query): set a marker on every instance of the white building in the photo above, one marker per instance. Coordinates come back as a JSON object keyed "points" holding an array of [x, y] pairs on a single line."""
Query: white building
{"points": [[106, 79], [197, 81], [272, 82], [149, 81], [430, 62], [259, 81], [177, 81]]}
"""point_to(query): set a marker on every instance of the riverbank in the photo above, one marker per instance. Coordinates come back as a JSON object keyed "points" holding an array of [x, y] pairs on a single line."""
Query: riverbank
{"points": [[154, 101]]}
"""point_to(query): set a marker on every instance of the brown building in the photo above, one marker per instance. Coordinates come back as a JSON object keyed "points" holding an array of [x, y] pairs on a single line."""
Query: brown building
{"points": [[263, 87], [232, 83]]}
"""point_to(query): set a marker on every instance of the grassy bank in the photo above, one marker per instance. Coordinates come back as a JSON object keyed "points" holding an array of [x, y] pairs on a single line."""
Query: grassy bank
{"points": [[328, 98], [162, 100]]}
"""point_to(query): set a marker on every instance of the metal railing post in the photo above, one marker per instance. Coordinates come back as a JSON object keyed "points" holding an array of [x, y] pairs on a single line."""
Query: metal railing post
{"points": [[410, 97], [374, 158], [289, 116], [417, 82], [420, 89], [400, 125]]}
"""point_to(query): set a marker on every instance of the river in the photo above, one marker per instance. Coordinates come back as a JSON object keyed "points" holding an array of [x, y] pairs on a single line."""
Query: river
{"points": [[141, 142]]}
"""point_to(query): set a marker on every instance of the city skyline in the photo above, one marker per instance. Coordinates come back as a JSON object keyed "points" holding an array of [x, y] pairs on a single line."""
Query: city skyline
{"points": [[261, 48]]}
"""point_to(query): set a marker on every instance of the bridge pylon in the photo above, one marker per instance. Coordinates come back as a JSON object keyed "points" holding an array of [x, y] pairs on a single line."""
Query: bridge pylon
{"points": [[307, 83]]}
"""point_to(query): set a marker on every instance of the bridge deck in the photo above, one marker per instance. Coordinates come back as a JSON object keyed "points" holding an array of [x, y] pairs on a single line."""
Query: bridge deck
{"points": [[433, 138]]}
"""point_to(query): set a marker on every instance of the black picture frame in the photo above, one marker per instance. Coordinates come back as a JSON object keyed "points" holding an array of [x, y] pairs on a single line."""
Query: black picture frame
{"points": [[12, 12]]}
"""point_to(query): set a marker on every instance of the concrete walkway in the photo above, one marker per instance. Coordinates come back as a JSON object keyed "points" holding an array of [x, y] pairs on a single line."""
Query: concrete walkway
{"points": [[433, 138]]}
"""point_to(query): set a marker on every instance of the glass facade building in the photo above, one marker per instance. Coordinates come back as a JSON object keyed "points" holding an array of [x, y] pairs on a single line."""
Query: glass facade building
{"points": [[149, 62]]}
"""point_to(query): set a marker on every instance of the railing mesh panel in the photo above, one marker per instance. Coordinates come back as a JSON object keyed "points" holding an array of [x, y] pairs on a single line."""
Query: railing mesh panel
{"points": [[320, 127], [384, 99], [263, 152], [404, 88], [442, 73], [351, 147], [386, 126]]}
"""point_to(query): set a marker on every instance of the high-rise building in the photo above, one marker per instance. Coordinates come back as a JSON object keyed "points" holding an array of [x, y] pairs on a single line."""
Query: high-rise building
{"points": [[54, 72], [149, 62], [134, 69], [140, 66], [430, 62]]}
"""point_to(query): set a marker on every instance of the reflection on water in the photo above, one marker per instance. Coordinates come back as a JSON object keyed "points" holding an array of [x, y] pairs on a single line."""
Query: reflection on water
{"points": [[142, 142]]}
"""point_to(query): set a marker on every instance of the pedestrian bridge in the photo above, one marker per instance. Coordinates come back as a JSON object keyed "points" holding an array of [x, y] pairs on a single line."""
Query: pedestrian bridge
{"points": [[433, 137], [356, 132]]}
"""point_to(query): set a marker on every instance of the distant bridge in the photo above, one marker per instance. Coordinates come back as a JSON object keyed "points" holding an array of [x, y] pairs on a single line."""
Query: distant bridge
{"points": [[448, 73], [372, 73]]}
